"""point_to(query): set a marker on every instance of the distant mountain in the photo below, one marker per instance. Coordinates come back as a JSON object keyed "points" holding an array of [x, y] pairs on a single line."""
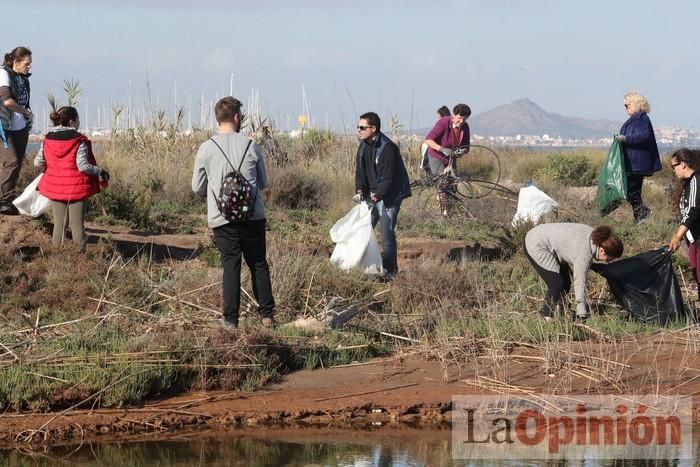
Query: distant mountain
{"points": [[524, 117]]}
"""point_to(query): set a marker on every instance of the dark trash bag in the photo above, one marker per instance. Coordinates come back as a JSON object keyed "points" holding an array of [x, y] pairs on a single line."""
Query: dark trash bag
{"points": [[612, 184], [646, 286]]}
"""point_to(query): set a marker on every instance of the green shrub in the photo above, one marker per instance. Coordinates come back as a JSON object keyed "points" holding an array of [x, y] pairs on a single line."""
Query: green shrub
{"points": [[525, 167], [568, 170], [119, 205], [298, 190]]}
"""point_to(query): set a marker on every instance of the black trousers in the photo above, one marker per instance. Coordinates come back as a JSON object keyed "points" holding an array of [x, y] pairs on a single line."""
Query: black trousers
{"points": [[634, 193], [246, 239], [558, 284]]}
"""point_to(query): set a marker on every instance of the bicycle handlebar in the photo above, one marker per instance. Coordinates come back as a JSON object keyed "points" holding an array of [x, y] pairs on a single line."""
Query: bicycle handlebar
{"points": [[460, 150]]}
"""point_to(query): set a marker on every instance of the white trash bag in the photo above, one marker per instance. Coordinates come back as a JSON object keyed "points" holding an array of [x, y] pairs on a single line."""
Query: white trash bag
{"points": [[31, 202], [533, 204], [356, 244]]}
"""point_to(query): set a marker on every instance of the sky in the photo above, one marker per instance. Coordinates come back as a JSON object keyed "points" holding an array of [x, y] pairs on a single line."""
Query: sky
{"points": [[403, 58]]}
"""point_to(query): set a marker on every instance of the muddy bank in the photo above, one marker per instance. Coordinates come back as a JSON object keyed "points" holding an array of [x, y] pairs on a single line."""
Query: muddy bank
{"points": [[402, 391]]}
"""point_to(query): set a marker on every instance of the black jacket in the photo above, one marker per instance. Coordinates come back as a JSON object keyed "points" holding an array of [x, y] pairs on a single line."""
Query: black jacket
{"points": [[5, 113], [379, 169], [690, 206]]}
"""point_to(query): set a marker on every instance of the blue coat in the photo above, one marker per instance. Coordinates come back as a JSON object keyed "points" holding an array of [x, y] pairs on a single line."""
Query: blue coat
{"points": [[639, 147]]}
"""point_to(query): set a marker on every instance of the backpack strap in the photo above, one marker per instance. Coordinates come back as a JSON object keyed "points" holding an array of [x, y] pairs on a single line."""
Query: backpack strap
{"points": [[226, 157], [239, 165], [3, 137]]}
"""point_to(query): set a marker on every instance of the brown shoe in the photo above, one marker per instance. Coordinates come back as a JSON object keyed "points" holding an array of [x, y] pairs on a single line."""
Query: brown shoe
{"points": [[268, 322]]}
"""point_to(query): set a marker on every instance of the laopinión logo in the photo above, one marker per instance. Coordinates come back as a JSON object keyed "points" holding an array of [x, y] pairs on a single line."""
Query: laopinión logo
{"points": [[539, 426]]}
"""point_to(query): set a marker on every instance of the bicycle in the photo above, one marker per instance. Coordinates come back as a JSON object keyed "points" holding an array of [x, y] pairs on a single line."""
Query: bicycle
{"points": [[450, 190]]}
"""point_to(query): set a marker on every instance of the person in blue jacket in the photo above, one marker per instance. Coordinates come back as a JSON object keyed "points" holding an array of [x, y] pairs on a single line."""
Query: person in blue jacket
{"points": [[640, 151]]}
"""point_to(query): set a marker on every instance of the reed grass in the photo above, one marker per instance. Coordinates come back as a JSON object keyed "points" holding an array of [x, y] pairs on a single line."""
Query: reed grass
{"points": [[98, 328]]}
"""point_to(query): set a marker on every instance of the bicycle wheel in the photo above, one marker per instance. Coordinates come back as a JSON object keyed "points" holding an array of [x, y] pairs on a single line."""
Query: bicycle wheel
{"points": [[475, 189], [433, 202], [481, 167]]}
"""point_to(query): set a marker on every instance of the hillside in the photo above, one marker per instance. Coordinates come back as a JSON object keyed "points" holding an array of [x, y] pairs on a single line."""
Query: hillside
{"points": [[524, 117]]}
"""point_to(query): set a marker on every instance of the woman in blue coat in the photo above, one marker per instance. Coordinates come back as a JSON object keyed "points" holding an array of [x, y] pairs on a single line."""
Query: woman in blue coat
{"points": [[640, 151]]}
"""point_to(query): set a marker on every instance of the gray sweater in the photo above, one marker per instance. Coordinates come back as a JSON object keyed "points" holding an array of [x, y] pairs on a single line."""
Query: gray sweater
{"points": [[210, 168], [551, 244]]}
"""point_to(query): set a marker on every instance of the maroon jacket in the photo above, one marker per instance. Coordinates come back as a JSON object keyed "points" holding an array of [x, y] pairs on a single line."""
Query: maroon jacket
{"points": [[443, 134]]}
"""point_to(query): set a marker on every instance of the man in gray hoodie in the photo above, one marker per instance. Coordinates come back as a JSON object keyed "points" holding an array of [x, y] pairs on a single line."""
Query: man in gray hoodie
{"points": [[221, 154]]}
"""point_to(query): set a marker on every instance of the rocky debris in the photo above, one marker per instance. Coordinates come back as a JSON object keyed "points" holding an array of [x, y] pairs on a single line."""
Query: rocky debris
{"points": [[336, 313]]}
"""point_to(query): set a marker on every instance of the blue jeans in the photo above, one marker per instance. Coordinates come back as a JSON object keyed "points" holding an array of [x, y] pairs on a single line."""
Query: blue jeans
{"points": [[387, 217]]}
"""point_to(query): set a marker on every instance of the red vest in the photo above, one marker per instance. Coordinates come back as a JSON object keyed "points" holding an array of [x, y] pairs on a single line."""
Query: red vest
{"points": [[62, 181]]}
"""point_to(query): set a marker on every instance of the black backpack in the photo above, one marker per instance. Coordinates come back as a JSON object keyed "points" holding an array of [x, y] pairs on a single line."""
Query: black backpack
{"points": [[236, 200]]}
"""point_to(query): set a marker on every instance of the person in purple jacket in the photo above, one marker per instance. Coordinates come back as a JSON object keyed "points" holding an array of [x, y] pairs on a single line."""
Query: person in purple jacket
{"points": [[640, 151], [448, 133]]}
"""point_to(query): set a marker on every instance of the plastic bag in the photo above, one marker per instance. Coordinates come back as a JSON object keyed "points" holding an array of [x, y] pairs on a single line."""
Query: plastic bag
{"points": [[612, 184], [31, 202], [356, 243], [645, 285], [532, 205]]}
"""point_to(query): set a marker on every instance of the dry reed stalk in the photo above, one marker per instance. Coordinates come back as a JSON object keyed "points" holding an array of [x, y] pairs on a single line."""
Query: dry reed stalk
{"points": [[308, 290], [48, 377], [194, 305], [189, 292], [250, 297], [624, 365], [104, 282], [50, 326], [408, 339], [342, 396], [125, 307], [8, 350], [601, 336], [579, 373], [33, 433], [505, 388], [141, 422]]}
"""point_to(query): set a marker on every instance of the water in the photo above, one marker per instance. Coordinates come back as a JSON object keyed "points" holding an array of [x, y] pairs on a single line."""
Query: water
{"points": [[33, 148], [380, 448]]}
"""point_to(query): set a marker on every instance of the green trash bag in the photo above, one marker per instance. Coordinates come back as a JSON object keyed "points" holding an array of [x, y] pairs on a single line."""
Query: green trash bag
{"points": [[612, 184]]}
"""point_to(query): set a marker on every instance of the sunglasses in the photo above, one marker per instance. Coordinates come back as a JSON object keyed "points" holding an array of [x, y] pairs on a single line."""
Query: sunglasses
{"points": [[363, 128], [627, 106], [673, 166]]}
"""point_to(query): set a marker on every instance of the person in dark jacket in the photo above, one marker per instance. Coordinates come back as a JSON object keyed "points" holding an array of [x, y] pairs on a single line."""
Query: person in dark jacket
{"points": [[443, 111], [685, 164], [640, 151], [15, 122], [382, 180]]}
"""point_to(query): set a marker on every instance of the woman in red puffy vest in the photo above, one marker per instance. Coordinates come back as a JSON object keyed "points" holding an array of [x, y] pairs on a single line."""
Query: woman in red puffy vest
{"points": [[71, 174]]}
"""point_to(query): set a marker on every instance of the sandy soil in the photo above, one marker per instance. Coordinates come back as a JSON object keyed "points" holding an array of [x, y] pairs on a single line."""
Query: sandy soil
{"points": [[408, 390]]}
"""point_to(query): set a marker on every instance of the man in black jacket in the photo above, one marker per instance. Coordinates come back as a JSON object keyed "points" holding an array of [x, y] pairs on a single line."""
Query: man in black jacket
{"points": [[382, 180]]}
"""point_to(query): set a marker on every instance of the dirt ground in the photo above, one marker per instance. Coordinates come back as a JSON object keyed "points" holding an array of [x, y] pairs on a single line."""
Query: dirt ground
{"points": [[406, 390]]}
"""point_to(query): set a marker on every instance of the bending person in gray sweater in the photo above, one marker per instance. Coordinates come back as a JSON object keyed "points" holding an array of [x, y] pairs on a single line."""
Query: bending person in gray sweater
{"points": [[559, 250]]}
